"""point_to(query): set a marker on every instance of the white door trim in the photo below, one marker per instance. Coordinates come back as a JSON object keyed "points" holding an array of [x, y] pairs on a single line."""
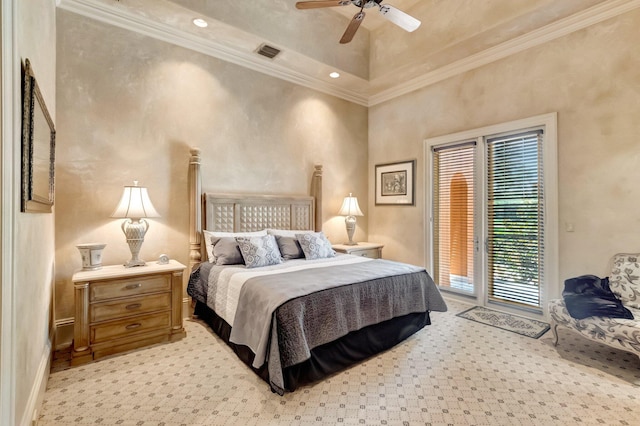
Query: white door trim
{"points": [[550, 161], [10, 128]]}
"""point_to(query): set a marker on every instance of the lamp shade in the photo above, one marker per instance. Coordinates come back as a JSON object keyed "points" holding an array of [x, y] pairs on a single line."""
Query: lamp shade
{"points": [[350, 207], [135, 203]]}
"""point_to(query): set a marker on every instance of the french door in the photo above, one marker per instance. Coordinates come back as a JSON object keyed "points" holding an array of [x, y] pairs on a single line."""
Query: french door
{"points": [[487, 207], [454, 216], [515, 218]]}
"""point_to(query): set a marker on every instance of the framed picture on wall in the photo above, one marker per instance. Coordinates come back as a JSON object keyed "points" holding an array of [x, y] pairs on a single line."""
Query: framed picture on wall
{"points": [[38, 147], [395, 183]]}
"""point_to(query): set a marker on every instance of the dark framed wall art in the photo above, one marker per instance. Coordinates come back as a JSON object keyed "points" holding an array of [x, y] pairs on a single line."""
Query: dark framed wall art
{"points": [[395, 183], [38, 147]]}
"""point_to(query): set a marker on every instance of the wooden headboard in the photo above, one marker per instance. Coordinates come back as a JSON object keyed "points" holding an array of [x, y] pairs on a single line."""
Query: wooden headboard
{"points": [[247, 212]]}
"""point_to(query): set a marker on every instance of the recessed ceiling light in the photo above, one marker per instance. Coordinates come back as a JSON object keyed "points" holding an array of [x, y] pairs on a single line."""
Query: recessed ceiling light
{"points": [[334, 74], [198, 22]]}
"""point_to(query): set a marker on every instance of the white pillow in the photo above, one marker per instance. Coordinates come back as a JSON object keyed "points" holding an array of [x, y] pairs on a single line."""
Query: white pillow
{"points": [[209, 245], [288, 232], [259, 251]]}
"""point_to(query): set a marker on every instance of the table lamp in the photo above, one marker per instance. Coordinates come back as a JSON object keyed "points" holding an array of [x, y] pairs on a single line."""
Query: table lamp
{"points": [[134, 206], [350, 209]]}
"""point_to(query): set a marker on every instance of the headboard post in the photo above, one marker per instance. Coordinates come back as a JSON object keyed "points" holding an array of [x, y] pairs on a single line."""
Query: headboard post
{"points": [[195, 209], [316, 192]]}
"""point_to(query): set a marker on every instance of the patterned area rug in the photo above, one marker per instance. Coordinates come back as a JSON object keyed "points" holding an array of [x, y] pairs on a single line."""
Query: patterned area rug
{"points": [[516, 324]]}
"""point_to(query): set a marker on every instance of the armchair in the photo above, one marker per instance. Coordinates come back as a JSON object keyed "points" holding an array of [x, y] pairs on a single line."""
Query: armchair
{"points": [[619, 333]]}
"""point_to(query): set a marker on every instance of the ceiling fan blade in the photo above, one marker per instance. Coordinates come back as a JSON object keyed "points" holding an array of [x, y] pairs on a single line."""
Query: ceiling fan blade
{"points": [[398, 17], [319, 4], [353, 27]]}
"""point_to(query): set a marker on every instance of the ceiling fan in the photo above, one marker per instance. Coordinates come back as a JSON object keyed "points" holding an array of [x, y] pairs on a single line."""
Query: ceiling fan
{"points": [[398, 17]]}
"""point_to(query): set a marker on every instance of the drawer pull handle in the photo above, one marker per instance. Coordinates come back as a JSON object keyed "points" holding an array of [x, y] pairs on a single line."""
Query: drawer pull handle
{"points": [[132, 326], [133, 306], [133, 286]]}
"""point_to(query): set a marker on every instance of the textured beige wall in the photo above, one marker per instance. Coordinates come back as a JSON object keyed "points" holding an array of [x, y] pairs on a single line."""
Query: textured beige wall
{"points": [[131, 108], [34, 233], [592, 79]]}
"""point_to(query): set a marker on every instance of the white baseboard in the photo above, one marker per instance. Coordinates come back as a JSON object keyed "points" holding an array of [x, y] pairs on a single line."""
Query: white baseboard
{"points": [[30, 415]]}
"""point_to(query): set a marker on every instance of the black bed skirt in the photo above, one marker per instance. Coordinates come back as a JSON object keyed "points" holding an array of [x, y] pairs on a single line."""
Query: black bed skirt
{"points": [[330, 357]]}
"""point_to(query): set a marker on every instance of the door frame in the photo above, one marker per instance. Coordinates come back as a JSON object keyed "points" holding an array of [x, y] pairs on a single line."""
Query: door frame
{"points": [[10, 111], [550, 163]]}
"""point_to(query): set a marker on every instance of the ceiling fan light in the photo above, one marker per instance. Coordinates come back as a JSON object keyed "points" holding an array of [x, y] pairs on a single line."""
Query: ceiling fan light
{"points": [[199, 22], [398, 17]]}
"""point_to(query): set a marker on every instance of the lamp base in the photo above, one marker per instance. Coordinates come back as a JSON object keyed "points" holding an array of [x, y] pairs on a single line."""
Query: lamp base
{"points": [[135, 230], [350, 222], [133, 263]]}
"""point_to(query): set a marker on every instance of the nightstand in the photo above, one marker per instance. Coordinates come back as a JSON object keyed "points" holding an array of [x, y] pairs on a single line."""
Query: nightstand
{"points": [[364, 249], [118, 309]]}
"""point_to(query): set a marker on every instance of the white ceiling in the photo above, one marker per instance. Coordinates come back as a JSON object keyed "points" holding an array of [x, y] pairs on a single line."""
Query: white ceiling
{"points": [[460, 35]]}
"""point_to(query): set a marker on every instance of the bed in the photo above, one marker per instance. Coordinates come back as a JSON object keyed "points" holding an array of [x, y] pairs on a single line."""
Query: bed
{"points": [[266, 280]]}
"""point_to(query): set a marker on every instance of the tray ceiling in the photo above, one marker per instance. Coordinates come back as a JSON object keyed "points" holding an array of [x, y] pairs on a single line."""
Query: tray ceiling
{"points": [[382, 62]]}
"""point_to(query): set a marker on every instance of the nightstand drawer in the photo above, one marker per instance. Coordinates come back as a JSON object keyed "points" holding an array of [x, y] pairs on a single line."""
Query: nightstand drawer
{"points": [[129, 287], [110, 330], [372, 253], [363, 249], [137, 305]]}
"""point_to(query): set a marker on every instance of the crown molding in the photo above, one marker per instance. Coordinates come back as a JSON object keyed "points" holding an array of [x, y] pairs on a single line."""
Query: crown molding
{"points": [[560, 28], [124, 19]]}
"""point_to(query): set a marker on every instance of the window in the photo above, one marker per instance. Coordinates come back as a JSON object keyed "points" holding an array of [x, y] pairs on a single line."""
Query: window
{"points": [[492, 207]]}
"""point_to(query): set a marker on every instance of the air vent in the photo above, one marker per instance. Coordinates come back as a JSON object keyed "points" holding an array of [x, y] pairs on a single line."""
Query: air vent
{"points": [[268, 51]]}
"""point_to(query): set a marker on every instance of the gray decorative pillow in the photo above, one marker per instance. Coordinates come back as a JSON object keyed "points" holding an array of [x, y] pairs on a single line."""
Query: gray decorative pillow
{"points": [[225, 251], [259, 251], [289, 247], [624, 280], [315, 245], [208, 235]]}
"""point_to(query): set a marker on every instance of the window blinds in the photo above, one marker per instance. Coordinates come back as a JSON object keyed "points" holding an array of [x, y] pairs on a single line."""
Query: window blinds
{"points": [[515, 213], [453, 218]]}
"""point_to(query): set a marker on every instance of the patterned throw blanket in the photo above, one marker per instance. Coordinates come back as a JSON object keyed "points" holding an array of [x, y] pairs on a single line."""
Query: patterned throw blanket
{"points": [[283, 313]]}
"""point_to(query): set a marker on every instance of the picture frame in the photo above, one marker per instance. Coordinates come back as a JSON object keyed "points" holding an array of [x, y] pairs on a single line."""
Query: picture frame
{"points": [[395, 183], [38, 147]]}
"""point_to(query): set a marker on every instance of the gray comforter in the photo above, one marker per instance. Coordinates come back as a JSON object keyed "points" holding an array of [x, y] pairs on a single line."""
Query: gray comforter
{"points": [[283, 316]]}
